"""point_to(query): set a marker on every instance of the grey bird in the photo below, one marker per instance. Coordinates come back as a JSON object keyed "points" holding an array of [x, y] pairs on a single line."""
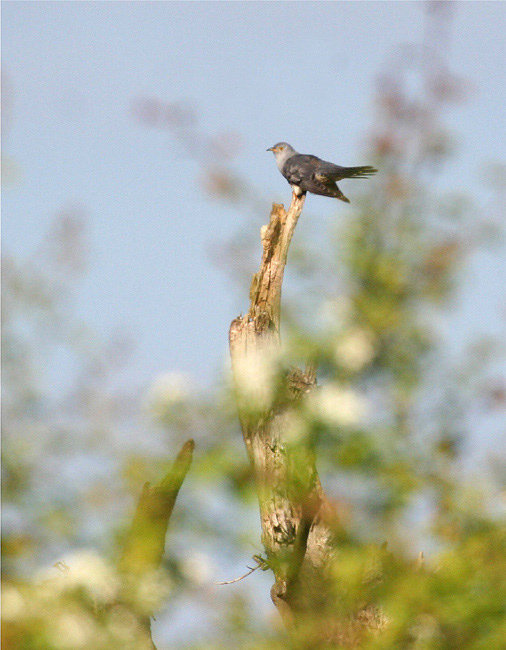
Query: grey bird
{"points": [[307, 173]]}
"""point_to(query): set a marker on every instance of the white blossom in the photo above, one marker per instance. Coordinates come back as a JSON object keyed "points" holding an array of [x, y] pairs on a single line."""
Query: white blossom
{"points": [[255, 377], [168, 390], [355, 349], [197, 568], [83, 569], [337, 405]]}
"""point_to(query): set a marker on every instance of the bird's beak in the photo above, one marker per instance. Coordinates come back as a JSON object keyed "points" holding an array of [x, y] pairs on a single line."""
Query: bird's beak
{"points": [[270, 149]]}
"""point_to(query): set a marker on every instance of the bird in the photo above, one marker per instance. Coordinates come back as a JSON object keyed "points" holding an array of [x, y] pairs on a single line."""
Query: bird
{"points": [[307, 173]]}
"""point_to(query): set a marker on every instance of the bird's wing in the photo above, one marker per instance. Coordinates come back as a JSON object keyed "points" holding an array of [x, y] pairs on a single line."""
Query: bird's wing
{"points": [[300, 167]]}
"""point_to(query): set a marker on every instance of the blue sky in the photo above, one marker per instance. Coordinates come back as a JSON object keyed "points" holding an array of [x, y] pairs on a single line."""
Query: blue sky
{"points": [[269, 71]]}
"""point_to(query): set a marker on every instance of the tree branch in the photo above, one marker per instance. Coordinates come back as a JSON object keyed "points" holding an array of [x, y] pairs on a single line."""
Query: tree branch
{"points": [[296, 537], [145, 542], [300, 527]]}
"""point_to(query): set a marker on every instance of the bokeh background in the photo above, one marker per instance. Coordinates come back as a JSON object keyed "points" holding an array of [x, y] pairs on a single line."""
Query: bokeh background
{"points": [[135, 182]]}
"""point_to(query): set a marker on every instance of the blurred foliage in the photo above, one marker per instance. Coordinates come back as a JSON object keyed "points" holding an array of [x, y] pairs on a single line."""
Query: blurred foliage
{"points": [[419, 537]]}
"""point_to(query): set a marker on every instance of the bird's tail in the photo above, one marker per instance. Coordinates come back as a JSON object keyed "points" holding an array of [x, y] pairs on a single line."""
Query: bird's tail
{"points": [[359, 172]]}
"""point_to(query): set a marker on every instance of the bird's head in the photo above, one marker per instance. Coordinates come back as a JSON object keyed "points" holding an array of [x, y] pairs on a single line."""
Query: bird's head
{"points": [[281, 148]]}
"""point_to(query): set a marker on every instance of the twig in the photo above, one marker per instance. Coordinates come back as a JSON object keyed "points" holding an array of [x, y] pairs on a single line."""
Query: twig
{"points": [[261, 564], [231, 582]]}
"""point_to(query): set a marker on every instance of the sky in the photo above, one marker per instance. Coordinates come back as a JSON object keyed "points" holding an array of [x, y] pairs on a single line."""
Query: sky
{"points": [[266, 71]]}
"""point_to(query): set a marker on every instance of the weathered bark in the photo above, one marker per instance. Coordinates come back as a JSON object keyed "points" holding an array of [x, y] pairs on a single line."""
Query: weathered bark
{"points": [[297, 521], [300, 527]]}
